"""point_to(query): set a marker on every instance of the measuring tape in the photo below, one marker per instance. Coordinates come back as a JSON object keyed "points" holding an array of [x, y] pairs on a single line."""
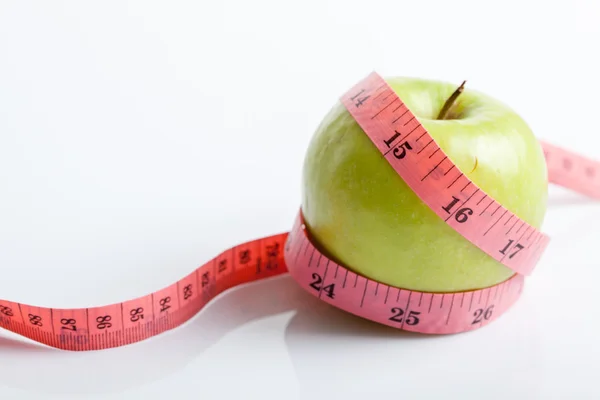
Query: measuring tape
{"points": [[430, 173]]}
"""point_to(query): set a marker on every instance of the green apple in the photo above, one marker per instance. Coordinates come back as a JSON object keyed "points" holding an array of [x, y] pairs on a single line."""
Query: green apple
{"points": [[361, 213]]}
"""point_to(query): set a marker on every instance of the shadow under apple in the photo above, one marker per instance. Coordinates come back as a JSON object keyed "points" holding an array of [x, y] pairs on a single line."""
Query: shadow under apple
{"points": [[337, 355]]}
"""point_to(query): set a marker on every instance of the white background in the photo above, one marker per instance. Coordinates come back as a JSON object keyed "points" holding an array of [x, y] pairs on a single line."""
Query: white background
{"points": [[138, 139]]}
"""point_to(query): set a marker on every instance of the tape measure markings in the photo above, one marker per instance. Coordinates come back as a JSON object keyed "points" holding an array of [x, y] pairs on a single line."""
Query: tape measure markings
{"points": [[438, 182], [433, 313], [137, 319]]}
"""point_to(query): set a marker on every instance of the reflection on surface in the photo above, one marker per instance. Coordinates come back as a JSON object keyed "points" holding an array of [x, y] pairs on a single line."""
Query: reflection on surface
{"points": [[330, 350], [336, 355], [115, 370]]}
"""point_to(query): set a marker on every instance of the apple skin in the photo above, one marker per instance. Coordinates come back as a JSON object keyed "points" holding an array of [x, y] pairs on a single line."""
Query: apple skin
{"points": [[362, 215]]}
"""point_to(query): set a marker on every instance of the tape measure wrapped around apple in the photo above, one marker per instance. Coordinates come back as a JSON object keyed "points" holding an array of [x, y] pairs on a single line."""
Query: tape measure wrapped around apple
{"points": [[420, 219]]}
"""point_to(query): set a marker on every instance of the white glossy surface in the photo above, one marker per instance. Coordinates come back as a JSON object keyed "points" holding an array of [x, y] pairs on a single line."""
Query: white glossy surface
{"points": [[126, 160]]}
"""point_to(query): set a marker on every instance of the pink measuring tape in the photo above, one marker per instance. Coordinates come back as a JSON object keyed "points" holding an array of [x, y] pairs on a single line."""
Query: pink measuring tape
{"points": [[423, 165]]}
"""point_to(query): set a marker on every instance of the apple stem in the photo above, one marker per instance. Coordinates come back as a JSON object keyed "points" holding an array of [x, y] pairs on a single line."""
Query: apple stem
{"points": [[448, 104]]}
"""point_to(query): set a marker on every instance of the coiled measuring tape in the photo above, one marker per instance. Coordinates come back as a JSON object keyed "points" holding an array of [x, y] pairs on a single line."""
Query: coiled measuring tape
{"points": [[424, 166]]}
